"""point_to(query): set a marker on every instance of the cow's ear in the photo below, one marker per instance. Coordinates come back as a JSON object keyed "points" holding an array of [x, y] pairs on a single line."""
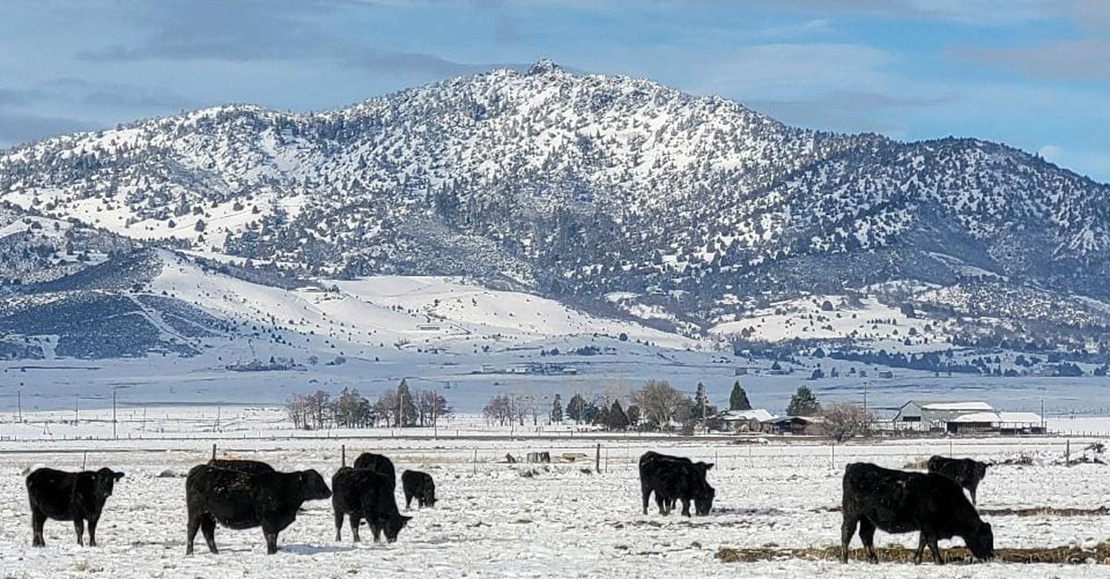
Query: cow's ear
{"points": [[405, 520], [708, 466], [117, 475]]}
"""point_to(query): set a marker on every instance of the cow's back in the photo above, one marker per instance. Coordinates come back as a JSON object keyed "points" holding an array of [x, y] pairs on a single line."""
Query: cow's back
{"points": [[51, 492], [378, 463], [247, 466]]}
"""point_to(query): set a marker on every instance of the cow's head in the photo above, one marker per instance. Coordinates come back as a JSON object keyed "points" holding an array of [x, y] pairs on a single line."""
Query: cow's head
{"points": [[313, 487], [981, 542], [106, 481], [430, 494], [980, 470], [394, 525], [703, 502]]}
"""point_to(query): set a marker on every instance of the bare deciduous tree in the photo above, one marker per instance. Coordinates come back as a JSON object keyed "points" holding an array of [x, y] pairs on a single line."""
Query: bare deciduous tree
{"points": [[660, 404], [844, 421]]}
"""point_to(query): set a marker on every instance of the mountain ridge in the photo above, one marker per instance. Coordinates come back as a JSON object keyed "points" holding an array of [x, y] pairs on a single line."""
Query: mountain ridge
{"points": [[577, 187]]}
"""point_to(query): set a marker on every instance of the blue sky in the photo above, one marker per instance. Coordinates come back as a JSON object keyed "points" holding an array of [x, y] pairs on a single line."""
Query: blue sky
{"points": [[1031, 73]]}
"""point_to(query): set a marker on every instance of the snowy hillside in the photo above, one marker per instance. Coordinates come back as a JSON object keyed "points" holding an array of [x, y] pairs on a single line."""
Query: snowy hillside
{"points": [[693, 211]]}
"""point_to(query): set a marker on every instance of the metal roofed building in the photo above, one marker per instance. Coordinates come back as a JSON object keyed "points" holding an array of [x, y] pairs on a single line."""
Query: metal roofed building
{"points": [[936, 414]]}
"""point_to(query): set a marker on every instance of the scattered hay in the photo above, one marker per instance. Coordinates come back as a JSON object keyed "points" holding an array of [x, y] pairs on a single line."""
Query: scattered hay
{"points": [[1100, 555], [1047, 512]]}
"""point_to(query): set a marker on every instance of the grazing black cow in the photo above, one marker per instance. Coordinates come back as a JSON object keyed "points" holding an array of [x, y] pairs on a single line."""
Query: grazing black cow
{"points": [[902, 502], [965, 471], [241, 500], [418, 485], [247, 466], [674, 478], [363, 493], [69, 496], [379, 463]]}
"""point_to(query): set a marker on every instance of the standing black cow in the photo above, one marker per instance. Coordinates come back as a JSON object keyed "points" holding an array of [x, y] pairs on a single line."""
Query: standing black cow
{"points": [[240, 500], [69, 496], [240, 465], [674, 478], [363, 493], [418, 485], [378, 463], [965, 471], [902, 502]]}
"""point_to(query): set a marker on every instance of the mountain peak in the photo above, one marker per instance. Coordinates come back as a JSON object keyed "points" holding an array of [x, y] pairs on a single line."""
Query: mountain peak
{"points": [[544, 67]]}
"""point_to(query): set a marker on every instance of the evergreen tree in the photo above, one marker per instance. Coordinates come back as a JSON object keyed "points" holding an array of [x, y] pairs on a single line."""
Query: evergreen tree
{"points": [[738, 400], [803, 403], [701, 403], [576, 408], [618, 420], [557, 409], [406, 408]]}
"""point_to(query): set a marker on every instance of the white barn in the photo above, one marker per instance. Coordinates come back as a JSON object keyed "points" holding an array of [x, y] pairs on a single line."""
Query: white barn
{"points": [[936, 414]]}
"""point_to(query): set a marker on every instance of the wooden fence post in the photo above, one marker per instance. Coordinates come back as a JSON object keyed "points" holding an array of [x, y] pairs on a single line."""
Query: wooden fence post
{"points": [[597, 459], [213, 451], [343, 456]]}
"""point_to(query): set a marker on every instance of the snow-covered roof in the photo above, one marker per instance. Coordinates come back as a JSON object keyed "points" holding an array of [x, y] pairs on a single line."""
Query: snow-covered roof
{"points": [[1020, 417], [809, 419], [753, 414], [978, 417], [968, 405]]}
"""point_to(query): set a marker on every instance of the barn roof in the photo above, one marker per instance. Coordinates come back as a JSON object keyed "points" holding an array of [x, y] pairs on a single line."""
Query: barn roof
{"points": [[1020, 417], [957, 405], [977, 418]]}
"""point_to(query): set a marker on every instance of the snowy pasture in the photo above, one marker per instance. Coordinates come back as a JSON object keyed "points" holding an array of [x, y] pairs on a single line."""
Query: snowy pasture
{"points": [[560, 520]]}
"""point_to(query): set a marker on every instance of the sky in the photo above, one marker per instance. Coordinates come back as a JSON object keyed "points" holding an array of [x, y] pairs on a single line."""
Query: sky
{"points": [[1034, 74]]}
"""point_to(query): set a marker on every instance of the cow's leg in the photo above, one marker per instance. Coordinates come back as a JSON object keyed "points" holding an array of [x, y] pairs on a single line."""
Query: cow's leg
{"points": [[38, 519], [208, 527], [79, 527], [271, 541], [645, 490], [973, 488], [192, 526], [935, 549], [355, 522], [408, 500], [376, 529], [847, 529], [921, 542], [92, 531], [338, 525], [685, 507], [662, 504], [867, 535]]}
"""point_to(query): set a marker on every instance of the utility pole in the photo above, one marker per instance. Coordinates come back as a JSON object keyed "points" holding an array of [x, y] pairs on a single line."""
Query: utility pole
{"points": [[19, 402], [76, 411], [704, 418], [114, 437]]}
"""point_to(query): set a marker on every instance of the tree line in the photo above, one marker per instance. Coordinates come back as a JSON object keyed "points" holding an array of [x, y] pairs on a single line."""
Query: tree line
{"points": [[396, 408]]}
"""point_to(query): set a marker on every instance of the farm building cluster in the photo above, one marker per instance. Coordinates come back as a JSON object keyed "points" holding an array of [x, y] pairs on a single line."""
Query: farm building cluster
{"points": [[952, 417]]}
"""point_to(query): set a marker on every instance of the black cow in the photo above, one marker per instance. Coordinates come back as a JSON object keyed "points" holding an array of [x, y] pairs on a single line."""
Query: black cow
{"points": [[241, 500], [69, 496], [247, 466], [965, 471], [418, 485], [674, 478], [379, 463], [902, 502], [363, 493]]}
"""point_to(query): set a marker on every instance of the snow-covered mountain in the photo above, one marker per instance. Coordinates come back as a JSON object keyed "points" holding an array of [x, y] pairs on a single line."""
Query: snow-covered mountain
{"points": [[610, 193]]}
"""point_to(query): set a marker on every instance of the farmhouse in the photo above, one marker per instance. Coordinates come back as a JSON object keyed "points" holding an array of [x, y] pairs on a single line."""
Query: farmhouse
{"points": [[811, 425], [740, 420]]}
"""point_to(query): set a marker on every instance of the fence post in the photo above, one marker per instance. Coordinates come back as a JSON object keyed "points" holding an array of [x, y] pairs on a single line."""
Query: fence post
{"points": [[597, 459], [343, 456], [213, 451], [84, 460], [475, 461], [1067, 455]]}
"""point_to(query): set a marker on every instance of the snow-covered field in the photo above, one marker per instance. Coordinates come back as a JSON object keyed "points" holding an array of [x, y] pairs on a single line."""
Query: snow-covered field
{"points": [[516, 520]]}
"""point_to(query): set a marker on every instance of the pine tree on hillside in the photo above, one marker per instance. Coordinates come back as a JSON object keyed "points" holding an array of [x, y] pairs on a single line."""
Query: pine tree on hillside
{"points": [[738, 400]]}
